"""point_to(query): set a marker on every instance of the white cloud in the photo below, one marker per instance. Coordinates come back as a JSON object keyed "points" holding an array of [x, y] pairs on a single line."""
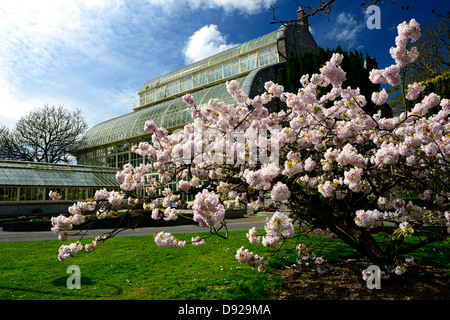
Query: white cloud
{"points": [[242, 6], [346, 29], [41, 38], [205, 42]]}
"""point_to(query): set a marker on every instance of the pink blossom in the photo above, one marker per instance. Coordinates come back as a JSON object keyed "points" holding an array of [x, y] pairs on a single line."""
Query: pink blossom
{"points": [[430, 101], [353, 176], [326, 189], [292, 167], [251, 259], [66, 251], [409, 30], [377, 76], [61, 223], [384, 204], [398, 203], [332, 72], [184, 185], [156, 215], [189, 99], [253, 236], [197, 241], [170, 214], [310, 164], [54, 195], [116, 198], [368, 218], [232, 86], [63, 236], [254, 205], [208, 211], [150, 126], [91, 246], [270, 171], [349, 155], [165, 239], [392, 75], [387, 154], [280, 192], [102, 194], [274, 88], [399, 270], [278, 223], [270, 241], [379, 98], [409, 262]]}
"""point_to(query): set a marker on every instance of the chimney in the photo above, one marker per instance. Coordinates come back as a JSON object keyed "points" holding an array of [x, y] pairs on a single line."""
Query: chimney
{"points": [[300, 14]]}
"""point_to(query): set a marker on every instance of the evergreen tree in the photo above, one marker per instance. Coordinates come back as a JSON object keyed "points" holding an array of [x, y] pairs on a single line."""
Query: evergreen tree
{"points": [[356, 66]]}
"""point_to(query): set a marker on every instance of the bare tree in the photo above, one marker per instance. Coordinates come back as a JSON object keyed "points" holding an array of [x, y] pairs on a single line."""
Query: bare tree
{"points": [[48, 134], [434, 48]]}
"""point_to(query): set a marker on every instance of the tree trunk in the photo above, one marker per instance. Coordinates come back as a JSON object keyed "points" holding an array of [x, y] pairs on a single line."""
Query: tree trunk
{"points": [[358, 238]]}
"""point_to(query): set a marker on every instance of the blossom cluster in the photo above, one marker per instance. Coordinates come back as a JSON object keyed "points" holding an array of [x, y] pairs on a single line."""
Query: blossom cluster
{"points": [[278, 225], [66, 251], [208, 211], [399, 211], [54, 195], [399, 53], [165, 239], [250, 258], [133, 178], [61, 224]]}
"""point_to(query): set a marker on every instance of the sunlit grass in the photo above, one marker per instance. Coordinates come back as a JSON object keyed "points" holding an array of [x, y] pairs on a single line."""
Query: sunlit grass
{"points": [[135, 268]]}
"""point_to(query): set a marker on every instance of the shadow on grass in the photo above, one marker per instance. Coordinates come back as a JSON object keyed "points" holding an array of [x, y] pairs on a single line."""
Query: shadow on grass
{"points": [[62, 292], [62, 282]]}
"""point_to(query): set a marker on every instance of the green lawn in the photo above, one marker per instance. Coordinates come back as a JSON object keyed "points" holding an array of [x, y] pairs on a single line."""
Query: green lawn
{"points": [[135, 268], [132, 268]]}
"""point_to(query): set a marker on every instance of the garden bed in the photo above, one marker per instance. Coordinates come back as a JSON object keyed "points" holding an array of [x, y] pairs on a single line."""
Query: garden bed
{"points": [[344, 282]]}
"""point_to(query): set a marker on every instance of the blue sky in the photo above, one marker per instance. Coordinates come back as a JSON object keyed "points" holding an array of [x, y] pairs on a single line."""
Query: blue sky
{"points": [[95, 54]]}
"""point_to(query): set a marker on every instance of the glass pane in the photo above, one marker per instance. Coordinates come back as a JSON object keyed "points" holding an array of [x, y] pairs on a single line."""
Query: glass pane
{"points": [[199, 79], [8, 194], [173, 88], [186, 83], [111, 150], [123, 147], [111, 161], [215, 74], [231, 68]]}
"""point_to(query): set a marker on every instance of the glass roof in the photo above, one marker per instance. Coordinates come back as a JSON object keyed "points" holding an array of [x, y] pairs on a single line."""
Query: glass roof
{"points": [[215, 59], [167, 114], [15, 173]]}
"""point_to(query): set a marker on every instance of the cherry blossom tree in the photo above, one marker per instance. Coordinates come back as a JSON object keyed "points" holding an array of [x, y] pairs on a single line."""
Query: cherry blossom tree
{"points": [[340, 171]]}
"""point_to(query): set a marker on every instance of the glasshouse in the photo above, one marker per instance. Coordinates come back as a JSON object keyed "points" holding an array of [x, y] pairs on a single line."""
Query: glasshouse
{"points": [[24, 186], [251, 64]]}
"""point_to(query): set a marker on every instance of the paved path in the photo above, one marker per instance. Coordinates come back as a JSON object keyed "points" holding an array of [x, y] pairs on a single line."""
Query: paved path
{"points": [[233, 225]]}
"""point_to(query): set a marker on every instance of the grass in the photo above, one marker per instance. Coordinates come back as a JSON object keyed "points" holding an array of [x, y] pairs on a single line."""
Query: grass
{"points": [[132, 268], [135, 268]]}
